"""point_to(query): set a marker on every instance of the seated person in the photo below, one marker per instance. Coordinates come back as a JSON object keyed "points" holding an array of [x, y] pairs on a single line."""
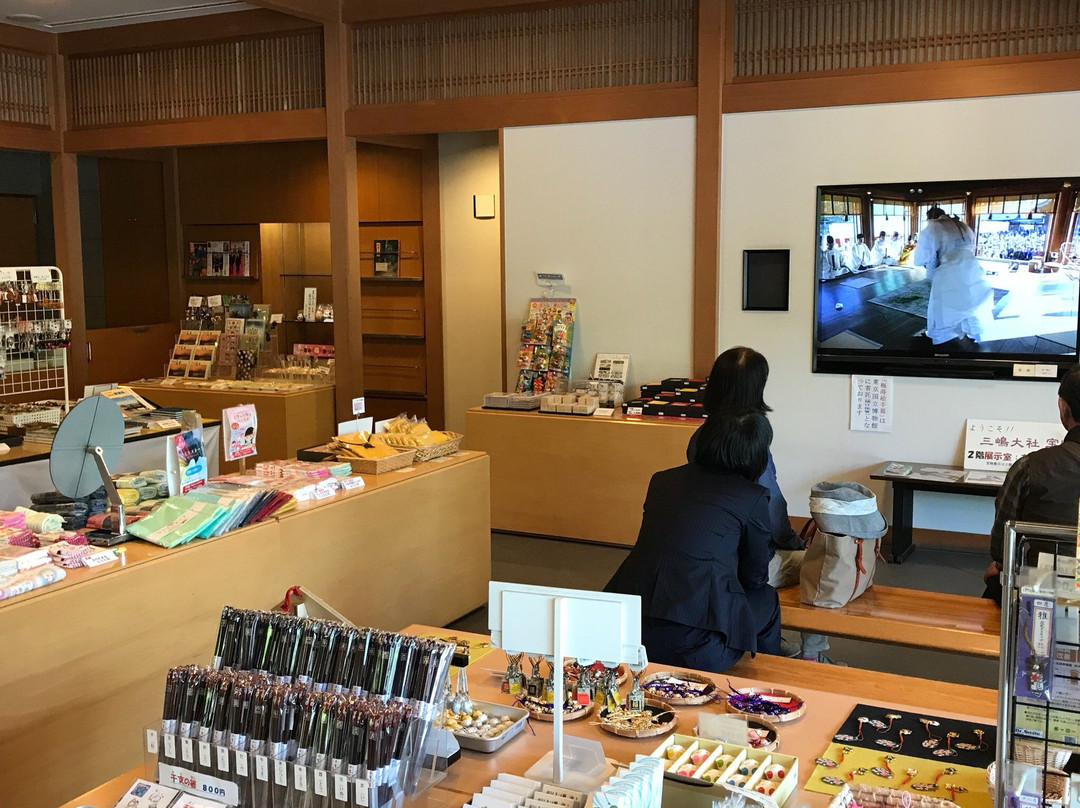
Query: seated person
{"points": [[701, 562], [1042, 487]]}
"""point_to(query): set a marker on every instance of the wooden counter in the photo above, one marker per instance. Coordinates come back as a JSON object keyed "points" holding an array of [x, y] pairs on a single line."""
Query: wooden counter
{"points": [[570, 476], [287, 421], [836, 691], [92, 651]]}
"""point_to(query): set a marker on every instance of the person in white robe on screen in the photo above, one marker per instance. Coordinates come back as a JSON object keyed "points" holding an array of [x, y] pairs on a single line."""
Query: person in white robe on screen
{"points": [[831, 263], [860, 256], [961, 300], [879, 252]]}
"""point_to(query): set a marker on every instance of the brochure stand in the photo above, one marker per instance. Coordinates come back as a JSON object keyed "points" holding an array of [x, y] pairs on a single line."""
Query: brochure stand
{"points": [[560, 623]]}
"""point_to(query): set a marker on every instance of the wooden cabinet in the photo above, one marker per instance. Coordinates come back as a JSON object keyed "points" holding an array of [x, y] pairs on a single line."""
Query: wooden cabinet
{"points": [[389, 183]]}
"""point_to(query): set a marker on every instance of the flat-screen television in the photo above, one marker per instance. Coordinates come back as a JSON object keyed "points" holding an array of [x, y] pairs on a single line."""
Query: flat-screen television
{"points": [[974, 278]]}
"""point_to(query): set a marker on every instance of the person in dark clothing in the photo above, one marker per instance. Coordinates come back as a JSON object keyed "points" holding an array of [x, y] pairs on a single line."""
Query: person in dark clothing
{"points": [[701, 561], [737, 382], [1041, 487]]}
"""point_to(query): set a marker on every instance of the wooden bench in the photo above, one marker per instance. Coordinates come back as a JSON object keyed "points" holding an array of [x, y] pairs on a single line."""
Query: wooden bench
{"points": [[959, 624]]}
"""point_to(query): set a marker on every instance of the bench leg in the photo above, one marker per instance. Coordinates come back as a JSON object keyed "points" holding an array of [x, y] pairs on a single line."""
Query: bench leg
{"points": [[903, 502]]}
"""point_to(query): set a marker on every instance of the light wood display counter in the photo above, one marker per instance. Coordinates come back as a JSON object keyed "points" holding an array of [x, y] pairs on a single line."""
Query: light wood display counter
{"points": [[573, 477], [287, 421], [836, 692], [85, 660]]}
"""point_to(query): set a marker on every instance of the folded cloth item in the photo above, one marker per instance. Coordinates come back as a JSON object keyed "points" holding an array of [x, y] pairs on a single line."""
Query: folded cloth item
{"points": [[154, 476], [21, 538], [28, 580], [129, 496], [75, 508], [12, 519], [75, 523], [162, 490], [70, 536], [98, 504], [67, 555], [130, 481], [147, 492], [49, 498], [40, 522]]}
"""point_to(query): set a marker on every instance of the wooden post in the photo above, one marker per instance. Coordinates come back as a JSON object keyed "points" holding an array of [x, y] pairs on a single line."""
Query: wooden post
{"points": [[344, 223], [67, 234], [710, 80]]}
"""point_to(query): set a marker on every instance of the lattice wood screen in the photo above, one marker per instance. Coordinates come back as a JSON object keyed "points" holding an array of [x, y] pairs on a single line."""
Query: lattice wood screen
{"points": [[24, 88], [606, 44], [265, 74], [794, 36]]}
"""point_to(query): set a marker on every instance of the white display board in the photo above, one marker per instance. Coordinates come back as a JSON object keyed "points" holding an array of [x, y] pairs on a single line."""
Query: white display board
{"points": [[871, 403], [996, 445]]}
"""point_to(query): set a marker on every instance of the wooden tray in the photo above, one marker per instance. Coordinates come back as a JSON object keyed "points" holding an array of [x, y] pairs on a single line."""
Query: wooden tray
{"points": [[661, 729], [771, 691], [568, 715], [686, 676]]}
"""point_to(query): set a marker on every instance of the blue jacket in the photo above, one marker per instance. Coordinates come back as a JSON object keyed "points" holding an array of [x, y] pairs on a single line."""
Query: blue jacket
{"points": [[782, 535], [704, 542]]}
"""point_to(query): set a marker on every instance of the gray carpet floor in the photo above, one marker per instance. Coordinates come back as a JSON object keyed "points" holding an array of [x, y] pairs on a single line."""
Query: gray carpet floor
{"points": [[550, 562]]}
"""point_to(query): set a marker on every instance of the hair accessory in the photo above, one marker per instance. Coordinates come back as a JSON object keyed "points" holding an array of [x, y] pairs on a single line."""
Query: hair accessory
{"points": [[932, 740], [862, 726], [884, 771], [910, 776], [886, 727], [954, 789], [948, 751], [856, 773], [829, 780]]}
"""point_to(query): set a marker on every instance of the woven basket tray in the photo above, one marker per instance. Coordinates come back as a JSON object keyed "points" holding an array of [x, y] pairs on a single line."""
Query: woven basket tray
{"points": [[448, 447], [403, 458], [1040, 754]]}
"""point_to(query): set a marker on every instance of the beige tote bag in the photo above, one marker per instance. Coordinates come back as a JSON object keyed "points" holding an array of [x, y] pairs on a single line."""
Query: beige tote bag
{"points": [[836, 569]]}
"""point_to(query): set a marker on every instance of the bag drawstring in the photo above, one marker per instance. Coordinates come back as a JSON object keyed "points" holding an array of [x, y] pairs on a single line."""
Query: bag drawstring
{"points": [[808, 532], [860, 570]]}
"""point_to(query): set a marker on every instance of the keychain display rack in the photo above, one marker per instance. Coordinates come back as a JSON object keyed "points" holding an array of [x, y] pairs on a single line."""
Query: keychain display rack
{"points": [[34, 334], [1035, 736]]}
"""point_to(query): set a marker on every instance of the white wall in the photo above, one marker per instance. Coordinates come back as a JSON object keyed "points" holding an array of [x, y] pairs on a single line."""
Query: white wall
{"points": [[612, 206], [472, 273], [772, 164]]}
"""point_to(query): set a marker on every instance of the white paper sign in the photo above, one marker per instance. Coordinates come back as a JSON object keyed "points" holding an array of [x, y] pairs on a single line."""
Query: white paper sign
{"points": [[40, 274], [341, 787], [151, 741], [170, 746], [996, 445], [8, 275], [194, 301], [362, 787], [871, 403], [99, 558], [214, 301], [242, 763], [358, 406]]}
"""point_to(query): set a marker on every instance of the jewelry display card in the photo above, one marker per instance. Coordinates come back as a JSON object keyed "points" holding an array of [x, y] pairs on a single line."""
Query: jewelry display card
{"points": [[923, 754]]}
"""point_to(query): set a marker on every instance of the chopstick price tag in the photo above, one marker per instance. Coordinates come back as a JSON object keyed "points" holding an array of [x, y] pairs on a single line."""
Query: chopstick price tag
{"points": [[341, 787], [320, 783], [151, 741], [281, 772], [170, 746], [187, 750], [242, 763], [262, 771], [362, 787], [204, 754], [222, 758], [300, 777]]}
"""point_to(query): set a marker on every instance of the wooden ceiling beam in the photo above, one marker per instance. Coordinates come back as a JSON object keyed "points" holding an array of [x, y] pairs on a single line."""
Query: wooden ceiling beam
{"points": [[315, 10], [354, 11], [18, 37], [167, 33]]}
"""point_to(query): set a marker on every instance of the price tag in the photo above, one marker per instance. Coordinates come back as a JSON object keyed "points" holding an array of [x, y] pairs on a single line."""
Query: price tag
{"points": [[300, 777], [204, 754], [151, 741], [362, 787], [276, 318], [358, 406], [604, 412], [194, 302], [170, 746], [241, 763], [320, 783], [40, 274], [222, 758], [187, 750], [99, 558], [341, 788], [7, 275], [224, 791], [261, 768], [323, 493], [214, 301], [281, 772]]}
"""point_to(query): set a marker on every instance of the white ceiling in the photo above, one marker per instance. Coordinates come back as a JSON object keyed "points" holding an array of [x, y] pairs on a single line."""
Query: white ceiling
{"points": [[58, 16]]}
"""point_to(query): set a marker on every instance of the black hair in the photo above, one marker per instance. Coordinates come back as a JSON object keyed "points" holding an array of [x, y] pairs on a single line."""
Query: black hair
{"points": [[881, 234], [737, 381], [735, 441], [860, 235], [934, 213], [1069, 390]]}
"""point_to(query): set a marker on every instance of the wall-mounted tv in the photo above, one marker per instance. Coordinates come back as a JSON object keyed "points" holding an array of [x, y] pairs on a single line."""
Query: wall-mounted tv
{"points": [[974, 278]]}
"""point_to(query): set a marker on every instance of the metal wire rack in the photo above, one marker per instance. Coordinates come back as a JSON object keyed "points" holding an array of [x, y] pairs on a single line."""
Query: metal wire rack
{"points": [[34, 332]]}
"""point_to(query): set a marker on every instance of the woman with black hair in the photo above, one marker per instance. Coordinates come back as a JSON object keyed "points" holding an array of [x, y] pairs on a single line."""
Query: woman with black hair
{"points": [[701, 561], [737, 382]]}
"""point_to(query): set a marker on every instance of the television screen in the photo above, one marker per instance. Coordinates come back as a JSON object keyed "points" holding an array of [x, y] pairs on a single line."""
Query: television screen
{"points": [[961, 278]]}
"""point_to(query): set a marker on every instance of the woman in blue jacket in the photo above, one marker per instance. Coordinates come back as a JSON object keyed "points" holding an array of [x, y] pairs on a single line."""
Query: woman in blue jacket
{"points": [[701, 561]]}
